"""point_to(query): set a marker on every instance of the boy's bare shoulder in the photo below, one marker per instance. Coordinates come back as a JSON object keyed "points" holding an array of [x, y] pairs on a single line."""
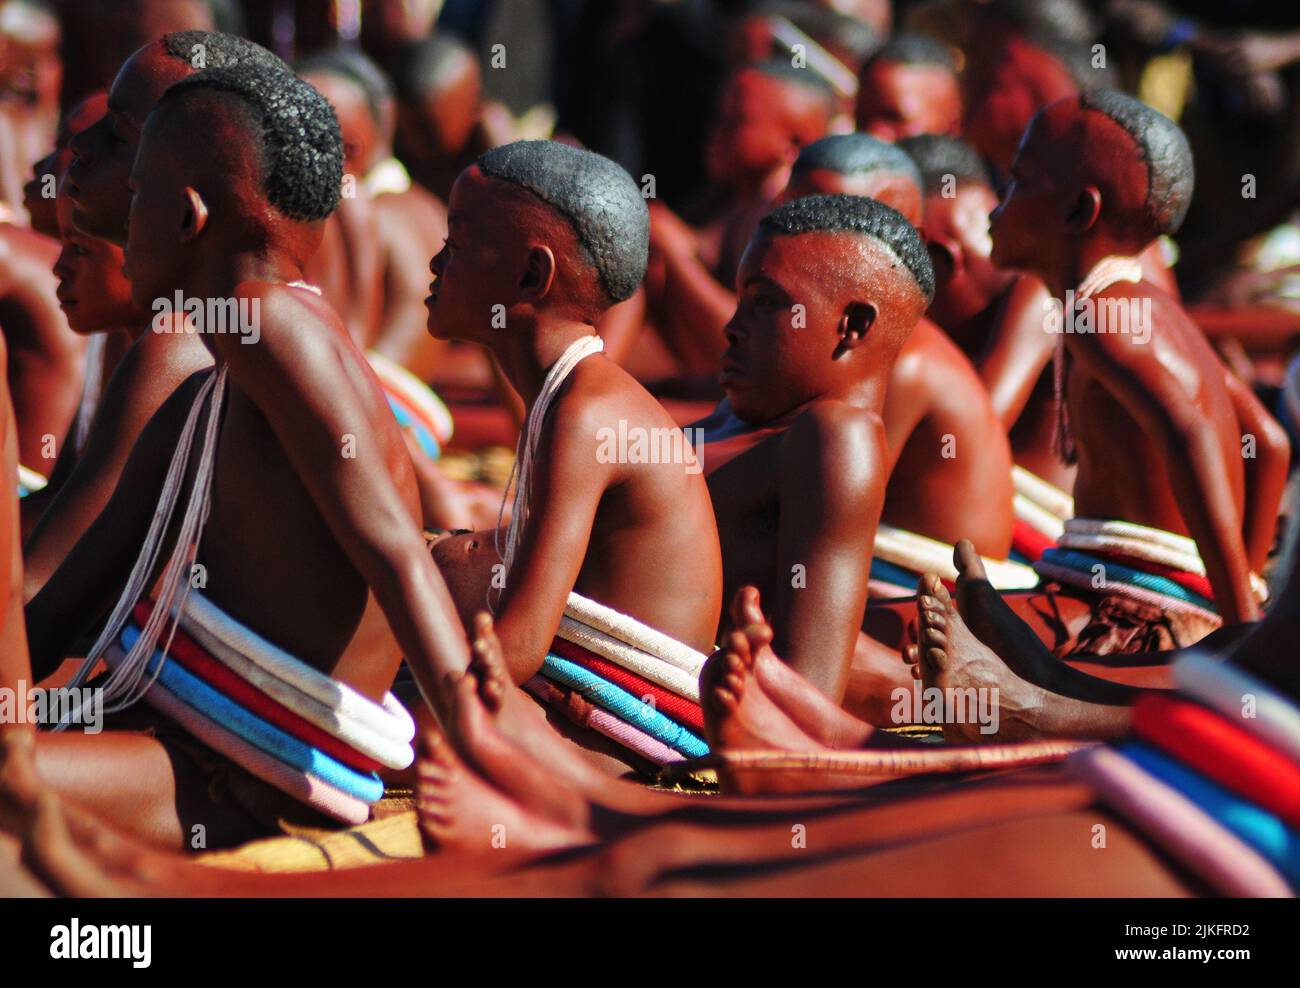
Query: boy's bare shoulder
{"points": [[835, 430]]}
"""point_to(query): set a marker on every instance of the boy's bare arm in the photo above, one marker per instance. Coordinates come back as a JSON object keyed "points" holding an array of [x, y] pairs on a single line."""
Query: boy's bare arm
{"points": [[568, 483], [1018, 351], [86, 583], [295, 377], [128, 403], [832, 470], [1134, 376]]}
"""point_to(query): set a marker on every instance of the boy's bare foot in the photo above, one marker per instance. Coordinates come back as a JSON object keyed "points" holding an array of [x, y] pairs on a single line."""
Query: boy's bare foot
{"points": [[459, 810], [811, 710], [738, 714], [950, 657]]}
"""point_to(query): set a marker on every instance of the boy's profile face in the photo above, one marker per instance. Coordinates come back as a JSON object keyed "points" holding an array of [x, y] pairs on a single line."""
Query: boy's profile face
{"points": [[1029, 224], [957, 235], [783, 338], [892, 189], [751, 134], [39, 206], [104, 151], [93, 292], [896, 101], [480, 265]]}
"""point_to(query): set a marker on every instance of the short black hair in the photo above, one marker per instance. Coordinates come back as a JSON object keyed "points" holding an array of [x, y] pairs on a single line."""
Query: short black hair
{"points": [[357, 68], [294, 128], [1063, 20], [219, 50], [596, 196], [783, 70], [421, 67], [857, 214], [855, 154], [938, 155], [916, 49], [1171, 176]]}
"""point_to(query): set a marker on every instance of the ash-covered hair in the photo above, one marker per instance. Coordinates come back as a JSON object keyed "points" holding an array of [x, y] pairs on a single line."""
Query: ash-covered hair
{"points": [[219, 50], [938, 155], [294, 129], [356, 68], [915, 49], [598, 198], [857, 214], [855, 154], [1164, 148], [857, 38]]}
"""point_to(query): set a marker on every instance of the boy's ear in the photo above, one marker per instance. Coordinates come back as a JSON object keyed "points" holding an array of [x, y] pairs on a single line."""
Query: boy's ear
{"points": [[539, 273], [196, 215], [1087, 207], [855, 323]]}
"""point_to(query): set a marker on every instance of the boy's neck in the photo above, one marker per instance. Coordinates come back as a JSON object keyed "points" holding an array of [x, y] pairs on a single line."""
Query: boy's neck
{"points": [[1088, 255], [526, 357], [218, 277]]}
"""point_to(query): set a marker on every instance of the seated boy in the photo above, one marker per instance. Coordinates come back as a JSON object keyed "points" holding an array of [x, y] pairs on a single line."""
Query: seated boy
{"points": [[797, 457], [909, 87], [156, 363], [286, 443], [1158, 547], [610, 506], [950, 466]]}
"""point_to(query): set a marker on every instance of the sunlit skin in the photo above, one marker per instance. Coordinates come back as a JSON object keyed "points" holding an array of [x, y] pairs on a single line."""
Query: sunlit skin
{"points": [[1134, 408], [897, 100], [31, 72], [637, 537], [351, 587]]}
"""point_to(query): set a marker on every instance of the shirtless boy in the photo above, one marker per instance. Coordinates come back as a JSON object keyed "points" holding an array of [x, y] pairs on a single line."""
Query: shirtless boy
{"points": [[236, 171], [950, 467], [156, 364], [548, 237], [798, 453]]}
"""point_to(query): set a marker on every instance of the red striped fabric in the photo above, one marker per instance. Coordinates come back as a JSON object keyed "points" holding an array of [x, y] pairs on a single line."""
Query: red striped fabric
{"points": [[679, 708]]}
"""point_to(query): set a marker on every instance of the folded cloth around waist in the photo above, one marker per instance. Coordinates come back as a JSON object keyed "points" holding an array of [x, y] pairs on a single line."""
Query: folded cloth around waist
{"points": [[572, 705], [908, 556], [200, 707], [591, 638], [1177, 826], [628, 708], [221, 680], [1262, 831], [1041, 510], [1222, 751], [414, 405], [1243, 698]]}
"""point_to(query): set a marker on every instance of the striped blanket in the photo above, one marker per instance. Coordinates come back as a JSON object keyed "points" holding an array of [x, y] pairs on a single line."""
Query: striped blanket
{"points": [[1210, 779], [629, 682], [278, 718], [901, 558]]}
